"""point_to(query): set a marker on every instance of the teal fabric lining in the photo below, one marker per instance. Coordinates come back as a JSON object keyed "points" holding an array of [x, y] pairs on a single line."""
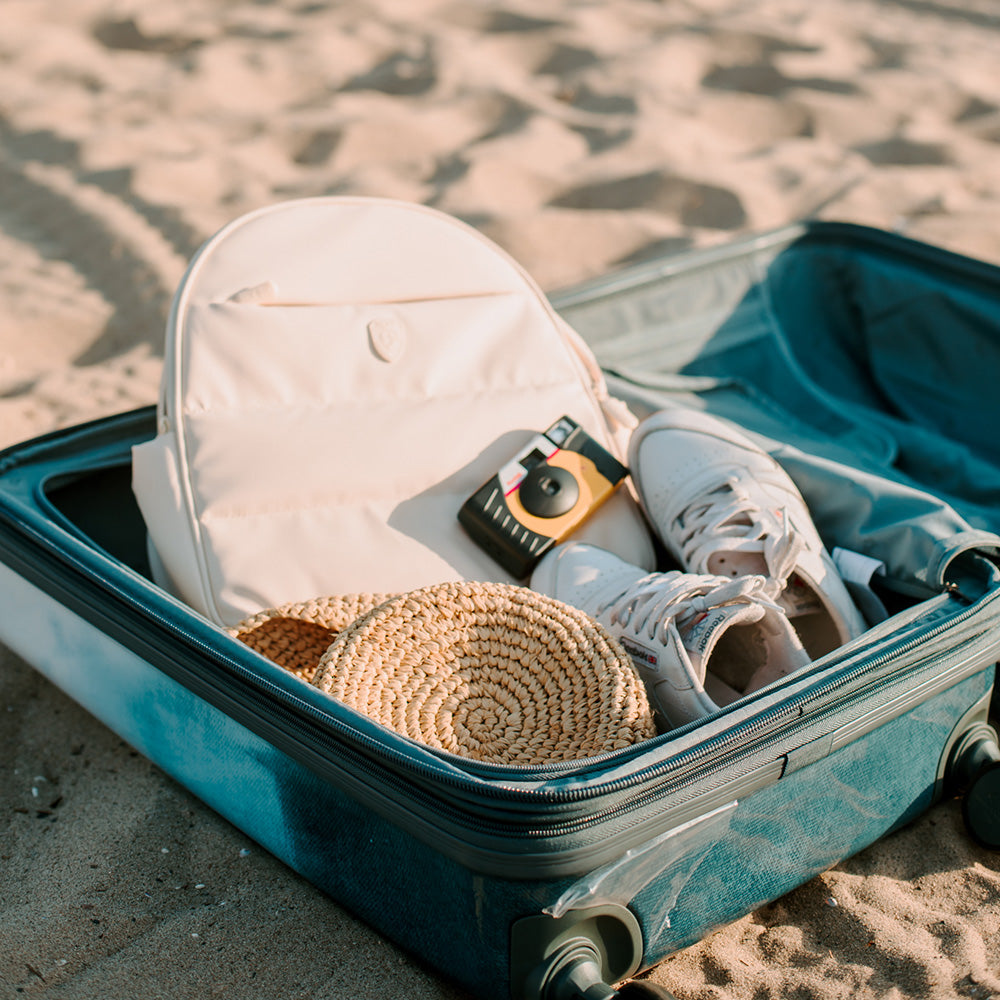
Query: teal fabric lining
{"points": [[865, 363]]}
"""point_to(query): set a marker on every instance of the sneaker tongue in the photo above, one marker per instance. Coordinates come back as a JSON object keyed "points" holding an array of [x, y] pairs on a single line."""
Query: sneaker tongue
{"points": [[727, 562], [700, 635], [798, 598]]}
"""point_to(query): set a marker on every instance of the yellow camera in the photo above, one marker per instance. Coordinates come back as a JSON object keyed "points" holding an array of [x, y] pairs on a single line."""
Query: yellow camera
{"points": [[542, 495]]}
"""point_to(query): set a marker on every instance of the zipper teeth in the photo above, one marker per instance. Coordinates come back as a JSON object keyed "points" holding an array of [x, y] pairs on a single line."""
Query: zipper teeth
{"points": [[698, 759], [273, 699], [260, 693], [750, 738], [793, 709], [278, 705], [966, 269], [744, 751]]}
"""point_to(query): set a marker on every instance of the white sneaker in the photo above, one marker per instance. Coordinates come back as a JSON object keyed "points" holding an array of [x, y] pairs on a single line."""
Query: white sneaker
{"points": [[698, 641], [721, 504]]}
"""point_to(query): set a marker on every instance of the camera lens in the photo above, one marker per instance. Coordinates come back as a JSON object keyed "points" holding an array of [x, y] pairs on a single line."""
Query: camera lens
{"points": [[549, 491]]}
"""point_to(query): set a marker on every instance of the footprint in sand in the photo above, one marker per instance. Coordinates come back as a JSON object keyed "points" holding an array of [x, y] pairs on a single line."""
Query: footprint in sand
{"points": [[898, 151], [123, 252], [125, 35], [401, 75], [692, 202], [746, 64]]}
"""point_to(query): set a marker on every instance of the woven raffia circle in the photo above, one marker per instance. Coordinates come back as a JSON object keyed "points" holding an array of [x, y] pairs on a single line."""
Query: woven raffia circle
{"points": [[492, 672], [295, 636]]}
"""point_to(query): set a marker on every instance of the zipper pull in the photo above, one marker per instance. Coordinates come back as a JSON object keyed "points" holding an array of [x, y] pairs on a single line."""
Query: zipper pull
{"points": [[955, 591]]}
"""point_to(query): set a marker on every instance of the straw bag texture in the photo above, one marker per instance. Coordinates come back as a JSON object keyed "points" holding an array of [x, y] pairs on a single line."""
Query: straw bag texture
{"points": [[489, 671]]}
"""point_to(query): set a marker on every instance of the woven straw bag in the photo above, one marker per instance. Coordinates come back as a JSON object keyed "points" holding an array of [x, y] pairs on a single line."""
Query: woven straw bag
{"points": [[489, 671]]}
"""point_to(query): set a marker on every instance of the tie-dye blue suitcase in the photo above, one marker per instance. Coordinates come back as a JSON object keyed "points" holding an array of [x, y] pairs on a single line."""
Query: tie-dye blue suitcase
{"points": [[867, 364]]}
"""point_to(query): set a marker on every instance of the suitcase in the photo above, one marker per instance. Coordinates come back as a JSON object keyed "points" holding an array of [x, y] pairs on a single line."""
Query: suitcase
{"points": [[865, 362]]}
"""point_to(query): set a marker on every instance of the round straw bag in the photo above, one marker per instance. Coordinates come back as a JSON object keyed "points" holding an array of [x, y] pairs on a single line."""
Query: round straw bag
{"points": [[295, 636], [489, 671]]}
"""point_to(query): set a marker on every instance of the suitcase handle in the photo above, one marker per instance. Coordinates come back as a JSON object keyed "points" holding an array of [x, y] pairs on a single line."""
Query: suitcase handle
{"points": [[976, 768]]}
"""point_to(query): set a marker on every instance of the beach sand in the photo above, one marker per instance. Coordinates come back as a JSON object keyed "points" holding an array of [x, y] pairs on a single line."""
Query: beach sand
{"points": [[580, 136]]}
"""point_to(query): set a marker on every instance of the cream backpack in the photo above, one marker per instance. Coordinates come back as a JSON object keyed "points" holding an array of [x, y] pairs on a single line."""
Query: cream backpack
{"points": [[340, 374]]}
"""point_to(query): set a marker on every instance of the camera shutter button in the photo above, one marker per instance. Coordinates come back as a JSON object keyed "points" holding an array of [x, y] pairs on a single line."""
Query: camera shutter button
{"points": [[549, 491]]}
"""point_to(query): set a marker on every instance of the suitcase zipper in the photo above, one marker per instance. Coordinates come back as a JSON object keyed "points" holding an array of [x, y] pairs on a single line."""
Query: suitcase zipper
{"points": [[793, 710], [268, 701], [740, 744], [407, 788], [744, 742]]}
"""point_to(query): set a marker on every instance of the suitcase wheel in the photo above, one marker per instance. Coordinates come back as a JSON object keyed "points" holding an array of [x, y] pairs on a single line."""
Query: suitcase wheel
{"points": [[578, 955], [574, 956], [981, 803], [975, 767]]}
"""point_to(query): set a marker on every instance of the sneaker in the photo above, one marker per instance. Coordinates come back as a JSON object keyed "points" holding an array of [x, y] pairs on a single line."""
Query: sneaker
{"points": [[698, 641], [723, 505]]}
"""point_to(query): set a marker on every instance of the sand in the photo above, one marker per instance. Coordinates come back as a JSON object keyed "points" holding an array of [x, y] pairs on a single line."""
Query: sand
{"points": [[580, 136]]}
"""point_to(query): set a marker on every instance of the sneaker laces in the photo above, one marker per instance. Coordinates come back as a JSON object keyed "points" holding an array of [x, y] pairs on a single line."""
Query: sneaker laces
{"points": [[726, 517], [652, 602]]}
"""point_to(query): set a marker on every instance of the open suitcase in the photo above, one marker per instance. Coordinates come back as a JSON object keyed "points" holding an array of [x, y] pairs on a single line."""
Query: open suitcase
{"points": [[866, 362]]}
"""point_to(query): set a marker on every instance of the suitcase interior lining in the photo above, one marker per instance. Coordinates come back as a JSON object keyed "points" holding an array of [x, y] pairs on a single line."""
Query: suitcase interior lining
{"points": [[99, 504]]}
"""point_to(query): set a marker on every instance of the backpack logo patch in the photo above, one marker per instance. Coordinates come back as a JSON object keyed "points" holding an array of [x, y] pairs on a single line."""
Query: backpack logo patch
{"points": [[388, 338]]}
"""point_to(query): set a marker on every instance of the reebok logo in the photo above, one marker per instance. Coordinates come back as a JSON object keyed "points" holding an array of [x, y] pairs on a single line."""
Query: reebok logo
{"points": [[642, 655], [701, 632]]}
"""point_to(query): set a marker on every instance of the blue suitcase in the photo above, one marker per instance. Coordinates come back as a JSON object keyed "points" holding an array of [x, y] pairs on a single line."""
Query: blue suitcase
{"points": [[866, 363]]}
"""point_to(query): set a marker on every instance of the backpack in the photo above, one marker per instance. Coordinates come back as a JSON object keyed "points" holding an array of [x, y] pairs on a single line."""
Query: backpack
{"points": [[340, 375]]}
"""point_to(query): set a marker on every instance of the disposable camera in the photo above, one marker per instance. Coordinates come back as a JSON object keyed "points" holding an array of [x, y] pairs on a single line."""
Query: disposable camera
{"points": [[541, 496]]}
